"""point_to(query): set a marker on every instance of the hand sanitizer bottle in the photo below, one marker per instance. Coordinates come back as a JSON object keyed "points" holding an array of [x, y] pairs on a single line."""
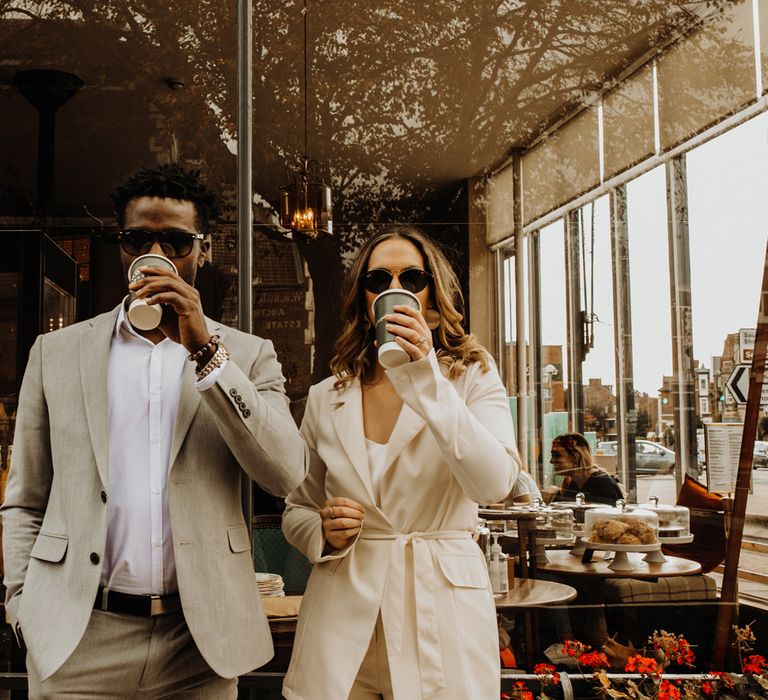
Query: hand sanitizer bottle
{"points": [[498, 567]]}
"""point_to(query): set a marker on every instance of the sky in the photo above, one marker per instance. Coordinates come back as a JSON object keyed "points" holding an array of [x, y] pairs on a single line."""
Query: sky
{"points": [[728, 228]]}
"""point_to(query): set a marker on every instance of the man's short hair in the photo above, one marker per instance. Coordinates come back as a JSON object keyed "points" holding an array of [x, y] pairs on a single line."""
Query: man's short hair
{"points": [[170, 181]]}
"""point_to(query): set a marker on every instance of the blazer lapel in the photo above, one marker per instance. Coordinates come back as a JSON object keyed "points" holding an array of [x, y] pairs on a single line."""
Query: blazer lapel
{"points": [[189, 401], [409, 425], [347, 419], [94, 375]]}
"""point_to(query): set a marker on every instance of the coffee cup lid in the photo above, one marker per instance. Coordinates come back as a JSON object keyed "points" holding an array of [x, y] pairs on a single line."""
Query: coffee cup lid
{"points": [[396, 291], [151, 260]]}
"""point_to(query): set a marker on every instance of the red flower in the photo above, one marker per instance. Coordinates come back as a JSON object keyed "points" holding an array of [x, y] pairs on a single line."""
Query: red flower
{"points": [[571, 647], [641, 664], [668, 691], [595, 659], [723, 677], [521, 692], [548, 673], [754, 664], [706, 688], [675, 648]]}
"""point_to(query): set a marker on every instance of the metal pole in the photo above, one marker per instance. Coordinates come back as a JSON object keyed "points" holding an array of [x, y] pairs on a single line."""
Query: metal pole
{"points": [[244, 189], [682, 321], [622, 318], [522, 355], [536, 404], [575, 322], [502, 356], [728, 608]]}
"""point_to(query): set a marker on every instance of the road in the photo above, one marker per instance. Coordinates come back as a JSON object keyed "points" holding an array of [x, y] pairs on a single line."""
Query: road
{"points": [[757, 503]]}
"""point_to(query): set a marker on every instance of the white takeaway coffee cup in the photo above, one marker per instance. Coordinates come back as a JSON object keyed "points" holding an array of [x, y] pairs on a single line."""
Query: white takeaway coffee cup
{"points": [[143, 316]]}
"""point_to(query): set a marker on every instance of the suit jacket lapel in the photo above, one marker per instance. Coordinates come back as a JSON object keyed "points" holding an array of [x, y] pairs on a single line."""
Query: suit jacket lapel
{"points": [[95, 342], [189, 401], [347, 419]]}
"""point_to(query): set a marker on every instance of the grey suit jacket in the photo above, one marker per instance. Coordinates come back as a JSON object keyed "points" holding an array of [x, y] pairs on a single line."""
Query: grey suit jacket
{"points": [[55, 517]]}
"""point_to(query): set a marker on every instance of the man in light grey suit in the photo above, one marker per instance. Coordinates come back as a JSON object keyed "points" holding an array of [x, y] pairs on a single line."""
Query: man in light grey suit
{"points": [[127, 559]]}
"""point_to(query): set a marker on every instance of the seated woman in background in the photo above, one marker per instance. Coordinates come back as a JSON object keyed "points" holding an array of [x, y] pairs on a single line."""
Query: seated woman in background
{"points": [[524, 490], [572, 459]]}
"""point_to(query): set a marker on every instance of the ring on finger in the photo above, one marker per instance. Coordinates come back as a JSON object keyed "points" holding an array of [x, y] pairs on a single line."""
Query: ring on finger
{"points": [[422, 340], [331, 513]]}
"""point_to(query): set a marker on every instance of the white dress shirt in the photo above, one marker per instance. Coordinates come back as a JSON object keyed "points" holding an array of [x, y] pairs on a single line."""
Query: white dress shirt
{"points": [[144, 386]]}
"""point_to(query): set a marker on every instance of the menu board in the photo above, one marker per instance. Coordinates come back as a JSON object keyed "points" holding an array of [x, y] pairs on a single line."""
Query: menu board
{"points": [[723, 446]]}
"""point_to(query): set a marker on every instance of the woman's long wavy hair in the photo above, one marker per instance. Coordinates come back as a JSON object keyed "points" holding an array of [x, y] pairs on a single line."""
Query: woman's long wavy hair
{"points": [[355, 351]]}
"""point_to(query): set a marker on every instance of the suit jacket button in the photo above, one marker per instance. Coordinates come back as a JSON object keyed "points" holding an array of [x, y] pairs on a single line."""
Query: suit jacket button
{"points": [[233, 392], [95, 558], [238, 398], [246, 413], [103, 497]]}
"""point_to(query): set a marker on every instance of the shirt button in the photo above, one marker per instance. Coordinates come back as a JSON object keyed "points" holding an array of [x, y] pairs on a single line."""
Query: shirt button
{"points": [[95, 558], [156, 542], [103, 497]]}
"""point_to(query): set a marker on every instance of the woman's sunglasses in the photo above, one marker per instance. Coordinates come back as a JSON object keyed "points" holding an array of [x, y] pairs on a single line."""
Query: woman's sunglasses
{"points": [[412, 280]]}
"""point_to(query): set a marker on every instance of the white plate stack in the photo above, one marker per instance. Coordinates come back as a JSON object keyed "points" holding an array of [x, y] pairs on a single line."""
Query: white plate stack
{"points": [[270, 585]]}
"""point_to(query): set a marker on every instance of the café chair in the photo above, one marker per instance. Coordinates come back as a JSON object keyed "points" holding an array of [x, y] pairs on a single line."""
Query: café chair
{"points": [[273, 554]]}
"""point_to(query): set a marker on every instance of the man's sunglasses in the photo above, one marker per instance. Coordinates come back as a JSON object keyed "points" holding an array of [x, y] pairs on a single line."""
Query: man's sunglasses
{"points": [[413, 280], [173, 242]]}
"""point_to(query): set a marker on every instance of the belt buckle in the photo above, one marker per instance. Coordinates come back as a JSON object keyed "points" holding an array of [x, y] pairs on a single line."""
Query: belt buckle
{"points": [[156, 605]]}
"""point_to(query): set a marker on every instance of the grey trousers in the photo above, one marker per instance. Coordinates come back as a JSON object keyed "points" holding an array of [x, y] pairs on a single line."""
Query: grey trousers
{"points": [[124, 656]]}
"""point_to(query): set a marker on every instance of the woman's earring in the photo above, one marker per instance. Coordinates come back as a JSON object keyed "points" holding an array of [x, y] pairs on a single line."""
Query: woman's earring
{"points": [[432, 317]]}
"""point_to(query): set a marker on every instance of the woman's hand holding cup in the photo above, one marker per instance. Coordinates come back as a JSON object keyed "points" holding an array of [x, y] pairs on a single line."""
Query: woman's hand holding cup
{"points": [[342, 521], [413, 334]]}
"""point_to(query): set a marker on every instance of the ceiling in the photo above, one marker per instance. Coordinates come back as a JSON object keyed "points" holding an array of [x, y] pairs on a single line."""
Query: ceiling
{"points": [[405, 99]]}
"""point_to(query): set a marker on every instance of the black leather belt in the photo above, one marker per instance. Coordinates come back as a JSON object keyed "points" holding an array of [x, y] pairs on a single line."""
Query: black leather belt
{"points": [[140, 605]]}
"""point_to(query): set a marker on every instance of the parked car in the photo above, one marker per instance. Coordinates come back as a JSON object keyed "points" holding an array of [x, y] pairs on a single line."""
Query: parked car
{"points": [[651, 457], [760, 455]]}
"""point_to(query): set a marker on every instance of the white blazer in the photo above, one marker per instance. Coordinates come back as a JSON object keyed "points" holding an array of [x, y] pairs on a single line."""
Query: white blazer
{"points": [[414, 561]]}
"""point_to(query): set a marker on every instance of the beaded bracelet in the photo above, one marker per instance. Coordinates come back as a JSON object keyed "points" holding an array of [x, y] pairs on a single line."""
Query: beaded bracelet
{"points": [[195, 356], [219, 357]]}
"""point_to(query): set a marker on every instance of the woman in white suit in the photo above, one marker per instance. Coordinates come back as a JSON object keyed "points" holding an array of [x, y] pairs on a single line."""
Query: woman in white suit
{"points": [[399, 603]]}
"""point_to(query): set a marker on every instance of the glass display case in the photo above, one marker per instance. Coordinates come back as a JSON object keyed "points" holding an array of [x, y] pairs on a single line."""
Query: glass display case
{"points": [[38, 293]]}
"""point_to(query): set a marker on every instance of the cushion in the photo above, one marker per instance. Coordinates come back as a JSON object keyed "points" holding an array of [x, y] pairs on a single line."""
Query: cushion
{"points": [[707, 526], [673, 589]]}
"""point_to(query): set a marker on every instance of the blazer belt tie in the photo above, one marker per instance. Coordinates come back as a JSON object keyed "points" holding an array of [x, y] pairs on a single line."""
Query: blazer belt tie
{"points": [[428, 634]]}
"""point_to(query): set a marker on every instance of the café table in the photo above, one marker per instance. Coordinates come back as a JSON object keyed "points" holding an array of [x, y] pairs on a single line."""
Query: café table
{"points": [[527, 596], [563, 563], [534, 593]]}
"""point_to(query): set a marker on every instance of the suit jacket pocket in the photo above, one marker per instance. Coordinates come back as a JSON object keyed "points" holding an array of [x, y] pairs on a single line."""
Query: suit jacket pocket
{"points": [[50, 547], [238, 538], [463, 570]]}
